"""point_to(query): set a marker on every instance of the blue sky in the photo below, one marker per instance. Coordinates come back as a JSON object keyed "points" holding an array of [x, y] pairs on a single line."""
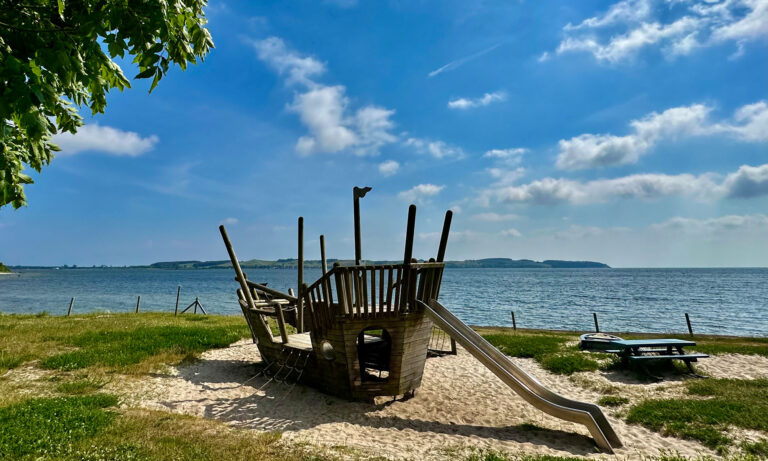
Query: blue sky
{"points": [[633, 133]]}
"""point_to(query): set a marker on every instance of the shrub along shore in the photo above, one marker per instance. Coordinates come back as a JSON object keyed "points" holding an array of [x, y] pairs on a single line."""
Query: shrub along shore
{"points": [[54, 372]]}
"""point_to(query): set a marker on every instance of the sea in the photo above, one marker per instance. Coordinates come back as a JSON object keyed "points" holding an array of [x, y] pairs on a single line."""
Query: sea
{"points": [[718, 301]]}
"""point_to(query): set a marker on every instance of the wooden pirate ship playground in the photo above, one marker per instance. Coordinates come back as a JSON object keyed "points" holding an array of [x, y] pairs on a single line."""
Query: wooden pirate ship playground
{"points": [[363, 330]]}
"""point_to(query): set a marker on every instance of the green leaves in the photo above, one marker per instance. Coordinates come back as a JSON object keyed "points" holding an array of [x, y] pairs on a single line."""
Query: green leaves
{"points": [[54, 56]]}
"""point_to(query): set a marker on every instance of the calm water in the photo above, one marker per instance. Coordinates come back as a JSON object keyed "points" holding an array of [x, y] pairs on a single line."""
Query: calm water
{"points": [[719, 301]]}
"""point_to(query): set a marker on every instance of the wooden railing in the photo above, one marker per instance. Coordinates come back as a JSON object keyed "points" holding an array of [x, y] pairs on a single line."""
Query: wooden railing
{"points": [[371, 291]]}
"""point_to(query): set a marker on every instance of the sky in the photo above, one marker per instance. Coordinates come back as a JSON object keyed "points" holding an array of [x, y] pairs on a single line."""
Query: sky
{"points": [[633, 133]]}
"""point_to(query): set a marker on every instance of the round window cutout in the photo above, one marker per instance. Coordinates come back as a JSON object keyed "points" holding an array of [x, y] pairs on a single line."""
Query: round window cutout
{"points": [[327, 350]]}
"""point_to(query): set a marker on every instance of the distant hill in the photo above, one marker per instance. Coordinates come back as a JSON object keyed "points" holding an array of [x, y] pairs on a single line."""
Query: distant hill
{"points": [[4, 268], [310, 264]]}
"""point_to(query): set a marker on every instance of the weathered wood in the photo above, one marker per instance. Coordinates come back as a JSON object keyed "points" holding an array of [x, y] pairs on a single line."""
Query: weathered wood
{"points": [[597, 327], [236, 265], [281, 324], [514, 323], [138, 303], [178, 294], [444, 236], [271, 291], [688, 321], [299, 303], [72, 303]]}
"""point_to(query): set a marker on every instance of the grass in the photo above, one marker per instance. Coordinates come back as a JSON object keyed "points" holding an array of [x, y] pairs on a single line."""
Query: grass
{"points": [[728, 402], [49, 426], [549, 350], [759, 448], [120, 349], [89, 428], [131, 343], [612, 401], [85, 385]]}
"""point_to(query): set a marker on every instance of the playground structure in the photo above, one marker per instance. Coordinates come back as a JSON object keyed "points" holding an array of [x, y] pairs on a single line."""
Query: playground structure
{"points": [[363, 330]]}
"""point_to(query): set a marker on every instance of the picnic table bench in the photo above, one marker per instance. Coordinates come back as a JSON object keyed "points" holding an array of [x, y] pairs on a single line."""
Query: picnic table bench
{"points": [[641, 350]]}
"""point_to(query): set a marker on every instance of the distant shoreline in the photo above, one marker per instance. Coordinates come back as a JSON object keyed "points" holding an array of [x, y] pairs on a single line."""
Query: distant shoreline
{"points": [[486, 263]]}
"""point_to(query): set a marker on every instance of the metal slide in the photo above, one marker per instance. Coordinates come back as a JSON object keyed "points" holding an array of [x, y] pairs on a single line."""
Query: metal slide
{"points": [[521, 382]]}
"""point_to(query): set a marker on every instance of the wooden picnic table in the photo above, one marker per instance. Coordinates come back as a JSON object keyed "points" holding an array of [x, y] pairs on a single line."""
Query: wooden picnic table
{"points": [[641, 350]]}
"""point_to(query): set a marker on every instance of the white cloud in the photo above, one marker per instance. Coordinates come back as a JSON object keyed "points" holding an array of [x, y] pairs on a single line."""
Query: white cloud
{"points": [[589, 150], [511, 232], [623, 11], [751, 122], [104, 140], [229, 221], [461, 61], [505, 176], [324, 109], [300, 69], [437, 149], [692, 25], [495, 217], [715, 226], [389, 167], [484, 100], [601, 150], [511, 156], [420, 193], [747, 182]]}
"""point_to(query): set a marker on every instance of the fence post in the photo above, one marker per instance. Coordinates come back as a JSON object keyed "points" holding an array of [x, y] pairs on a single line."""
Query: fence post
{"points": [[688, 321], [72, 302], [514, 323], [597, 327], [178, 293], [138, 302]]}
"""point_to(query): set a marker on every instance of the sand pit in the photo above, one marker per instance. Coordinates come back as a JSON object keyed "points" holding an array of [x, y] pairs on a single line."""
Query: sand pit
{"points": [[460, 406]]}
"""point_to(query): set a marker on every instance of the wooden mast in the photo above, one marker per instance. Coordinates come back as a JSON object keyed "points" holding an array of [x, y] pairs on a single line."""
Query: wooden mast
{"points": [[444, 236], [238, 271], [300, 302], [357, 194]]}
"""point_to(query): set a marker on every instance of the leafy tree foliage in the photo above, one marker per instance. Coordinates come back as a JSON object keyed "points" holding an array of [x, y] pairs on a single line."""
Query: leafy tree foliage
{"points": [[57, 55]]}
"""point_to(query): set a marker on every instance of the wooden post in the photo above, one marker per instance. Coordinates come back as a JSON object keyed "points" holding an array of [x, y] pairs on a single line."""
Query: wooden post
{"points": [[322, 255], [72, 302], [688, 321], [444, 236], [357, 194], [238, 270], [514, 323], [300, 302], [178, 293], [197, 301], [138, 302], [409, 235], [597, 327]]}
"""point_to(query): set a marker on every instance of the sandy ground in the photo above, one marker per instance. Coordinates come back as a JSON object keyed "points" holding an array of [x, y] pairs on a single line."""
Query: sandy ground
{"points": [[460, 406]]}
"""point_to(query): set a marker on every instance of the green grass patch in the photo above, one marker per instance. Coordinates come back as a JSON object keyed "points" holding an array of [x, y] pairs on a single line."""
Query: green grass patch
{"points": [[566, 363], [9, 361], [759, 448], [612, 401], [729, 402], [529, 346], [123, 348], [34, 337], [549, 351], [49, 426], [80, 386]]}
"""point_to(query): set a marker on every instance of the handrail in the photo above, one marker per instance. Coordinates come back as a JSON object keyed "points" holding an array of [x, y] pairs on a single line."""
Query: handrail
{"points": [[271, 291]]}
